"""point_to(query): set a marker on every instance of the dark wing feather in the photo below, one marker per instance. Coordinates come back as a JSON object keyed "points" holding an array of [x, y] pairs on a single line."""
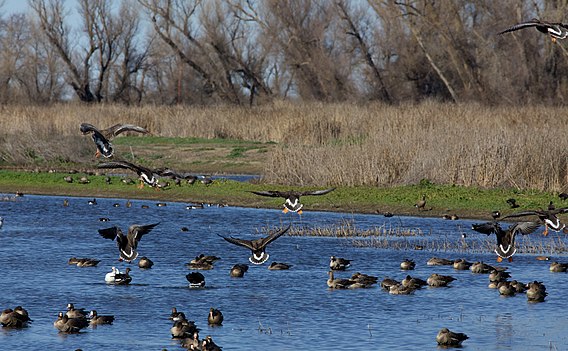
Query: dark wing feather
{"points": [[524, 25], [486, 228], [109, 233], [135, 232], [525, 228], [317, 192], [239, 242], [166, 172], [560, 210], [86, 128], [275, 235], [271, 193], [523, 214], [119, 164]]}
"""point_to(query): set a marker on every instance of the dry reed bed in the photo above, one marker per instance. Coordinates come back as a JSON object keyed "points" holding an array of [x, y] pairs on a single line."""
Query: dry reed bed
{"points": [[339, 144]]}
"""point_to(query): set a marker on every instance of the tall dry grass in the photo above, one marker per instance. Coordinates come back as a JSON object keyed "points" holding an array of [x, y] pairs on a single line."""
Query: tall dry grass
{"points": [[339, 144]]}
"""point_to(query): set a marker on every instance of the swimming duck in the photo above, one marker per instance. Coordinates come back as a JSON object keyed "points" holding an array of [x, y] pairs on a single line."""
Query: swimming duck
{"points": [[195, 279], [338, 263], [201, 265], [506, 289], [128, 244], [279, 266], [202, 258], [87, 262], [73, 312], [413, 282], [437, 280], [176, 315], [209, 345], [481, 268], [10, 318], [505, 238], [215, 317], [122, 278], [192, 343], [103, 137], [70, 325], [546, 217], [407, 265], [92, 202], [292, 197], [555, 30], [337, 283], [183, 329], [499, 276], [145, 175], [558, 267], [446, 337], [461, 264], [109, 277], [258, 246], [364, 278], [518, 286], [399, 289], [145, 263], [536, 292], [387, 282], [238, 270], [436, 261], [95, 319]]}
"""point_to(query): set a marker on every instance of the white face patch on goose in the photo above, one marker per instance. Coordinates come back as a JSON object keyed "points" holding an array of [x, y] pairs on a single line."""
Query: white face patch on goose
{"points": [[506, 252], [294, 205], [556, 226], [259, 259]]}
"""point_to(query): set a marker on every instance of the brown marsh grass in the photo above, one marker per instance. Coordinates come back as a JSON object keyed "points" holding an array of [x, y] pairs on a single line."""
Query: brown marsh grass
{"points": [[331, 144]]}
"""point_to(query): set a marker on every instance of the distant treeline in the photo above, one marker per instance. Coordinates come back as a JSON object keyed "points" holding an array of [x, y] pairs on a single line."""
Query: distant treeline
{"points": [[247, 52]]}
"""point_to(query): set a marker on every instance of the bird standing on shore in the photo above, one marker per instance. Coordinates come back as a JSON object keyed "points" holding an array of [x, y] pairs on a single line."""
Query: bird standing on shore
{"points": [[102, 137]]}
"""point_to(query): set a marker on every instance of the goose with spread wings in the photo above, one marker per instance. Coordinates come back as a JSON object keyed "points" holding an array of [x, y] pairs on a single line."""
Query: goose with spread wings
{"points": [[127, 245], [546, 217], [555, 30], [258, 246], [102, 137], [505, 237], [292, 197], [145, 175]]}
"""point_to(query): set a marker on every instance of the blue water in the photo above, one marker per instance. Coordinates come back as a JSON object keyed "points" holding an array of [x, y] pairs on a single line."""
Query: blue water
{"points": [[270, 310]]}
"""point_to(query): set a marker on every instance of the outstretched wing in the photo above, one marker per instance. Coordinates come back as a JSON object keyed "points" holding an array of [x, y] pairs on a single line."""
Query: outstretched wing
{"points": [[239, 242], [135, 232], [525, 228], [119, 164], [166, 172], [109, 233], [486, 228], [317, 192], [88, 128], [560, 210], [522, 214], [523, 25], [271, 193], [121, 128], [275, 235]]}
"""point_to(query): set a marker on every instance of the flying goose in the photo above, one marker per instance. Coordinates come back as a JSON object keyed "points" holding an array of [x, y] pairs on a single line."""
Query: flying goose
{"points": [[505, 238], [127, 244], [102, 137], [145, 175], [546, 217], [292, 197], [555, 30], [258, 246]]}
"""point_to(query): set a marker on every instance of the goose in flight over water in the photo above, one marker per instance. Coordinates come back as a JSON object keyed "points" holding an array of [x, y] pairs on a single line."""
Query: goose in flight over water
{"points": [[555, 30], [548, 218], [258, 246], [128, 244], [292, 197], [102, 137], [505, 238]]}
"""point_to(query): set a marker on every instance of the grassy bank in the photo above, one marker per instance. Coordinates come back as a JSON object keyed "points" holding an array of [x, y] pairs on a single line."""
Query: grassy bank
{"points": [[465, 202], [312, 144]]}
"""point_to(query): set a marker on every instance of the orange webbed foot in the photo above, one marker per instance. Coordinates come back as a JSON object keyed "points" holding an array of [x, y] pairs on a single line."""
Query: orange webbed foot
{"points": [[285, 210], [300, 212], [499, 259]]}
